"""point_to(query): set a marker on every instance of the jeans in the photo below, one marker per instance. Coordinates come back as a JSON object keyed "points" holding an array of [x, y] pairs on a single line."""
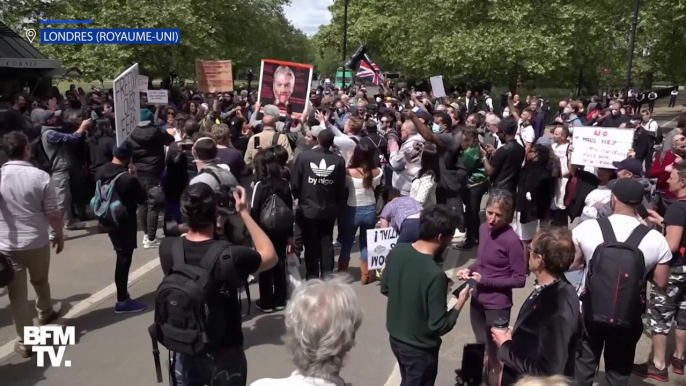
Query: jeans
{"points": [[33, 265], [409, 231], [619, 346], [61, 181], [148, 213], [273, 286], [417, 367], [472, 199], [454, 201], [318, 237], [354, 217], [124, 242], [226, 369]]}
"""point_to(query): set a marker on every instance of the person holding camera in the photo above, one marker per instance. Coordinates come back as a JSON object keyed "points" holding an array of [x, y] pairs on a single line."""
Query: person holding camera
{"points": [[543, 341], [232, 265]]}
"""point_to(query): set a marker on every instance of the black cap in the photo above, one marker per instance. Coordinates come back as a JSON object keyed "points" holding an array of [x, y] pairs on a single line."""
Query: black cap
{"points": [[628, 191], [123, 151], [631, 165]]}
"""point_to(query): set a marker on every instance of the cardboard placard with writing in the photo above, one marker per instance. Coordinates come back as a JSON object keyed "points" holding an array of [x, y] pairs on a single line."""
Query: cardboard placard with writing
{"points": [[600, 147], [127, 103], [285, 85], [214, 75], [380, 241], [158, 97]]}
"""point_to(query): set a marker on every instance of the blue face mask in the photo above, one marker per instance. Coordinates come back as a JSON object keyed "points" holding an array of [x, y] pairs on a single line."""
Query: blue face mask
{"points": [[436, 128]]}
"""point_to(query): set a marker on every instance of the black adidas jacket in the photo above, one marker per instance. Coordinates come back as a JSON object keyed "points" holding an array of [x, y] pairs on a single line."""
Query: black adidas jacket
{"points": [[318, 183]]}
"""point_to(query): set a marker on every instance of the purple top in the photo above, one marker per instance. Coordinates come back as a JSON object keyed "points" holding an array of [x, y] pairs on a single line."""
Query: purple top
{"points": [[399, 209], [500, 261]]}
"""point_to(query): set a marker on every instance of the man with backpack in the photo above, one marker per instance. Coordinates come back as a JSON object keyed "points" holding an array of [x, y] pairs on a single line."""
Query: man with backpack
{"points": [[619, 254], [118, 194], [197, 306]]}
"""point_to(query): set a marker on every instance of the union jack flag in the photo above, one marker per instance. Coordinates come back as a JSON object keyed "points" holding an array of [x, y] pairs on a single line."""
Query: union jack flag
{"points": [[370, 73]]}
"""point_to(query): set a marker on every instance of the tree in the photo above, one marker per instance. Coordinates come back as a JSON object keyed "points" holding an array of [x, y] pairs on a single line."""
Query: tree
{"points": [[244, 31], [568, 42]]}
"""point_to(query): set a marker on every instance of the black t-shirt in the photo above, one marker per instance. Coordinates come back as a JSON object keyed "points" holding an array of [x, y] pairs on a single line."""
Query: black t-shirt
{"points": [[676, 216], [507, 162], [232, 271], [448, 148]]}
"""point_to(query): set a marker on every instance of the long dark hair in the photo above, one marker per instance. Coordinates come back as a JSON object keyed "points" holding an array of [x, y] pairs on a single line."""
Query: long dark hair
{"points": [[430, 162], [363, 158], [102, 128], [268, 170]]}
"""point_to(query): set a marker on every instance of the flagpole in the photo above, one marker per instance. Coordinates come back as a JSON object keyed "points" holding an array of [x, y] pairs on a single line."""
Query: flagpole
{"points": [[345, 39]]}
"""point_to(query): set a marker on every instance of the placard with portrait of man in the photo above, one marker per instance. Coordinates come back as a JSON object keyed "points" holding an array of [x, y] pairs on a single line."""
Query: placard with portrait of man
{"points": [[285, 85]]}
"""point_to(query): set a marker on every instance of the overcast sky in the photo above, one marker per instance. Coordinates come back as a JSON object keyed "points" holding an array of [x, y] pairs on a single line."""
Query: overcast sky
{"points": [[308, 15]]}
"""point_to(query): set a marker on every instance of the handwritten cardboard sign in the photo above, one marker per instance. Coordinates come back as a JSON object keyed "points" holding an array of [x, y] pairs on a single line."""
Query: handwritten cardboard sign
{"points": [[379, 243], [127, 103], [214, 75], [600, 147]]}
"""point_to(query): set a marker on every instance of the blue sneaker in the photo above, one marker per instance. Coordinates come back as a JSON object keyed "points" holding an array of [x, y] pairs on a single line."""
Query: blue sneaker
{"points": [[129, 305]]}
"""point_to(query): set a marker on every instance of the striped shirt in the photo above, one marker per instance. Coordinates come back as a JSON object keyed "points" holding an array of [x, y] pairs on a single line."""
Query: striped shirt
{"points": [[27, 197]]}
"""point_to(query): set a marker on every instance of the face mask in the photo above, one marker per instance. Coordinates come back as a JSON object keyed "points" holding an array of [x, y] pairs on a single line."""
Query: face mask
{"points": [[378, 100], [341, 111], [317, 92], [436, 128], [506, 113], [646, 119], [568, 111]]}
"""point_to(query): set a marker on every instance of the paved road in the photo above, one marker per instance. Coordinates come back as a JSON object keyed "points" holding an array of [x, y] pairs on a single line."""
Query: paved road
{"points": [[115, 349]]}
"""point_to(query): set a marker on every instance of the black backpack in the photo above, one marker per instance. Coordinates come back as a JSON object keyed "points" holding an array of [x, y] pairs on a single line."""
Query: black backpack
{"points": [[39, 157], [615, 283], [190, 317], [276, 216]]}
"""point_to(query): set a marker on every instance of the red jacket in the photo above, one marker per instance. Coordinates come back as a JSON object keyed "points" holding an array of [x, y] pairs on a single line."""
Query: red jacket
{"points": [[658, 171]]}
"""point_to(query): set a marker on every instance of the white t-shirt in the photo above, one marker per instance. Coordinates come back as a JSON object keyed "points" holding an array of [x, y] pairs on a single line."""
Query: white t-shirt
{"points": [[299, 380], [600, 196], [525, 133], [651, 126], [560, 150], [588, 236]]}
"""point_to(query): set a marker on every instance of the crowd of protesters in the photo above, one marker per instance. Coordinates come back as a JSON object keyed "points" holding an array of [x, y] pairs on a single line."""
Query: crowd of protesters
{"points": [[419, 164]]}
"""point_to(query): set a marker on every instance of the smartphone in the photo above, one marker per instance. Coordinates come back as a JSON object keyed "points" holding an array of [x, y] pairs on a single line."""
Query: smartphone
{"points": [[470, 282], [482, 146], [257, 142], [473, 363], [643, 212]]}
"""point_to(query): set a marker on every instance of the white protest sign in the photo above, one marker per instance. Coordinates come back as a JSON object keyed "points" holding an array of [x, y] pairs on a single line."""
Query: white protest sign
{"points": [[127, 103], [600, 147], [379, 243], [437, 86], [142, 83], [158, 97]]}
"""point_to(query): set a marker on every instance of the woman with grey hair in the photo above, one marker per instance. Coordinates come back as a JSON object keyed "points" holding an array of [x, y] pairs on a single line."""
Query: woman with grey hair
{"points": [[322, 319]]}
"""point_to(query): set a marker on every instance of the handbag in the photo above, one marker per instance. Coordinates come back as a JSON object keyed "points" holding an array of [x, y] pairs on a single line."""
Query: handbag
{"points": [[293, 272]]}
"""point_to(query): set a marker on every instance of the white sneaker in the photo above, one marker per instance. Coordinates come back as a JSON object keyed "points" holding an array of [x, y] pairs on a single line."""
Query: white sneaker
{"points": [[148, 244]]}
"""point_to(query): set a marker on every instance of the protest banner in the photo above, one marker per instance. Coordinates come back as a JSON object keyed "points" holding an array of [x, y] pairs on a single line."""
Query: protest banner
{"points": [[214, 75], [158, 97], [142, 83], [437, 86], [600, 147], [127, 103], [285, 85], [380, 241]]}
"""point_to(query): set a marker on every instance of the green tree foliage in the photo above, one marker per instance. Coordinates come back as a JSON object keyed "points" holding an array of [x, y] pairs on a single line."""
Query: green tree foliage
{"points": [[562, 42], [244, 31]]}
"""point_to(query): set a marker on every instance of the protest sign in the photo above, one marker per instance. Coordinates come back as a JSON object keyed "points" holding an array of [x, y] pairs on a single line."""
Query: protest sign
{"points": [[285, 85], [600, 147], [437, 86], [214, 75], [142, 83], [127, 103], [158, 97], [380, 241]]}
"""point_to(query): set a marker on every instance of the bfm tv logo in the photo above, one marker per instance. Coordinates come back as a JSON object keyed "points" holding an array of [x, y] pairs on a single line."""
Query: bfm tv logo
{"points": [[322, 171], [37, 339]]}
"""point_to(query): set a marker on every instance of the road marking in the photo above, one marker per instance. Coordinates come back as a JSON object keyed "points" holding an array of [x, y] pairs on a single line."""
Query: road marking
{"points": [[672, 120], [93, 300]]}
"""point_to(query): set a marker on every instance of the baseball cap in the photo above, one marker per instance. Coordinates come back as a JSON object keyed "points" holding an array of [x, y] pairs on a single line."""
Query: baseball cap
{"points": [[631, 165], [315, 130], [628, 191], [40, 116], [123, 151]]}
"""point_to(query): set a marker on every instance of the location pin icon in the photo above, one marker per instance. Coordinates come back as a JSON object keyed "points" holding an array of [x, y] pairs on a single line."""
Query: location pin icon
{"points": [[31, 34]]}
